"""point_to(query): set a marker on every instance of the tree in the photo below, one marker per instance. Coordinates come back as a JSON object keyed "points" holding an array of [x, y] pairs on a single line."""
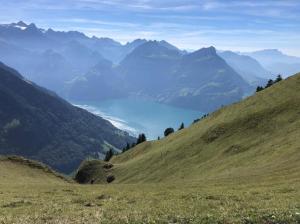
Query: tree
{"points": [[168, 131], [270, 83], [141, 138], [181, 126], [278, 79], [127, 146], [196, 120], [259, 88], [108, 155]]}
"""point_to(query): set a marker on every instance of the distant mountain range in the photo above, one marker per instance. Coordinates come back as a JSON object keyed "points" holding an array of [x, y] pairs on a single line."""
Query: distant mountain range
{"points": [[51, 58], [247, 67], [83, 68], [37, 124], [200, 80], [277, 62]]}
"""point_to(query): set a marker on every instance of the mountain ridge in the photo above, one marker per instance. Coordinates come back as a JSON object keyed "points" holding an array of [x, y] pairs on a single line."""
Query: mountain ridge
{"points": [[37, 124], [200, 80], [74, 58]]}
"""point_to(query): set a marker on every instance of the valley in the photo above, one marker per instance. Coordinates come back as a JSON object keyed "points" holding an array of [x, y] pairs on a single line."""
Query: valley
{"points": [[149, 112], [238, 165]]}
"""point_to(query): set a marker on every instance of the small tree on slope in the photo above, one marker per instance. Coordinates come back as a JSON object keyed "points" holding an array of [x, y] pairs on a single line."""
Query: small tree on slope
{"points": [[109, 154]]}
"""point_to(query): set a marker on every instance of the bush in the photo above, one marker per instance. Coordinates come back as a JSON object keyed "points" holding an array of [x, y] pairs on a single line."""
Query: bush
{"points": [[108, 166], [168, 131], [110, 178]]}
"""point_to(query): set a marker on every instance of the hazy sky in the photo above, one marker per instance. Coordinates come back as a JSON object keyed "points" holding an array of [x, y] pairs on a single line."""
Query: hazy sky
{"points": [[242, 25]]}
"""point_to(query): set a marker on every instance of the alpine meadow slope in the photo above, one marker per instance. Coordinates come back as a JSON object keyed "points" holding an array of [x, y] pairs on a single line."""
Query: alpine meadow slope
{"points": [[238, 165], [254, 140]]}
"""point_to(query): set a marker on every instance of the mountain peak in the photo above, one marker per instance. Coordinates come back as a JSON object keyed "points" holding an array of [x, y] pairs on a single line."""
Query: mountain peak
{"points": [[21, 23], [168, 45], [32, 26], [155, 46], [273, 52], [137, 41], [209, 51]]}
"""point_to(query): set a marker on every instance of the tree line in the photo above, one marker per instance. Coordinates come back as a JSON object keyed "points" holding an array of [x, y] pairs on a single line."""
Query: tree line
{"points": [[168, 131], [110, 153], [269, 83]]}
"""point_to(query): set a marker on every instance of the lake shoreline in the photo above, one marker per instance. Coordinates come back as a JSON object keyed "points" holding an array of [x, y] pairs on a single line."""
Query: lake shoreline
{"points": [[140, 116]]}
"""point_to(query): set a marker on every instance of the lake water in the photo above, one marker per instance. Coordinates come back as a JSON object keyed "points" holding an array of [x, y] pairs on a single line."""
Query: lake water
{"points": [[140, 116]]}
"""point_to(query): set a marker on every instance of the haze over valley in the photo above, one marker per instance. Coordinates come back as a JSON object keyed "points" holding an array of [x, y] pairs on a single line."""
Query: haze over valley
{"points": [[97, 69]]}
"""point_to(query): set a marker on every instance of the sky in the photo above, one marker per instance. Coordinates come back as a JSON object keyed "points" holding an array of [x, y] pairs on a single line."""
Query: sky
{"points": [[238, 25]]}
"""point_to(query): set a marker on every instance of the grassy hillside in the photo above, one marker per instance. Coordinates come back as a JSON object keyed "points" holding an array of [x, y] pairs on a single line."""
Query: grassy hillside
{"points": [[253, 140], [30, 194], [239, 165], [17, 170]]}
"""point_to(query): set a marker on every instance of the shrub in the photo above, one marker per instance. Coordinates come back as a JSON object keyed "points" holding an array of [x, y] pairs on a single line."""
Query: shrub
{"points": [[110, 178], [168, 131]]}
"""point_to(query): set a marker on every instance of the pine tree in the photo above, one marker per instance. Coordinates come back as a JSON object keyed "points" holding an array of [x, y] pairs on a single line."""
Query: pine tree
{"points": [[196, 120], [181, 126], [141, 138], [278, 79], [109, 154], [259, 88], [270, 83]]}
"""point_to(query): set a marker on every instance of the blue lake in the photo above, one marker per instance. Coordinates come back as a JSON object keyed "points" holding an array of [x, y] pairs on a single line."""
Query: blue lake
{"points": [[139, 116]]}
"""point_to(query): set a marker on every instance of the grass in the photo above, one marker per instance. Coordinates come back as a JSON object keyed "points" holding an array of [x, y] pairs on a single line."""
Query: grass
{"points": [[258, 137], [239, 165], [210, 202]]}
